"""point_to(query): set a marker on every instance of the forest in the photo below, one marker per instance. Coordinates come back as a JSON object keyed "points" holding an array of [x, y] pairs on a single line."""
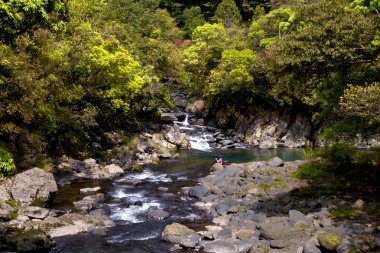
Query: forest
{"points": [[72, 70]]}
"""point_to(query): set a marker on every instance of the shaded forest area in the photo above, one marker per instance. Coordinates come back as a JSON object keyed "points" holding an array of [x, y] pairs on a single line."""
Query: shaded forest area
{"points": [[72, 70]]}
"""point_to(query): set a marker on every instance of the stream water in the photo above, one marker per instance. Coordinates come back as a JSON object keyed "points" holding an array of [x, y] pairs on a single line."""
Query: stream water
{"points": [[129, 202]]}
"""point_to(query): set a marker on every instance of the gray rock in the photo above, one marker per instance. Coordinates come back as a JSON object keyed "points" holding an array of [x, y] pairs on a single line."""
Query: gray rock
{"points": [[168, 117], [324, 213], [174, 136], [259, 218], [178, 233], [310, 247], [296, 216], [279, 244], [221, 246], [99, 212], [157, 214], [345, 244], [275, 162], [114, 170], [90, 190], [162, 189], [221, 209], [89, 163], [223, 234], [36, 212], [275, 231], [4, 215], [226, 142], [83, 205], [75, 223], [198, 191], [34, 186]]}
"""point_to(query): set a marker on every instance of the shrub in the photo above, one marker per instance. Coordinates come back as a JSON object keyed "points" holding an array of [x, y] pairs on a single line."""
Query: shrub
{"points": [[339, 153], [7, 166], [311, 170]]}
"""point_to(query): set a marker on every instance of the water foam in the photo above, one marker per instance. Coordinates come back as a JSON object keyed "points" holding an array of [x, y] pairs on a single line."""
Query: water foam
{"points": [[132, 213], [146, 175]]}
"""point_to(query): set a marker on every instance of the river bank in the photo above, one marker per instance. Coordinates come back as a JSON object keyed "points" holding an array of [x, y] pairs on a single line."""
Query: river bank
{"points": [[262, 207]]}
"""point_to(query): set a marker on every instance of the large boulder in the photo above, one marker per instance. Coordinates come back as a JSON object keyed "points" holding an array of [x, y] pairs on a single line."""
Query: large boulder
{"points": [[296, 216], [114, 170], [34, 186], [174, 136], [275, 162], [178, 233], [275, 231], [198, 191]]}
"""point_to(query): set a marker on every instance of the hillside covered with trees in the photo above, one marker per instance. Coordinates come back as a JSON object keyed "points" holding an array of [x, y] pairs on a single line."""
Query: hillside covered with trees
{"points": [[72, 70]]}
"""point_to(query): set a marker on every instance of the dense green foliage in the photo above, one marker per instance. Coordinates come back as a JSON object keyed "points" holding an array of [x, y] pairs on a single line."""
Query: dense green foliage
{"points": [[72, 70], [7, 167]]}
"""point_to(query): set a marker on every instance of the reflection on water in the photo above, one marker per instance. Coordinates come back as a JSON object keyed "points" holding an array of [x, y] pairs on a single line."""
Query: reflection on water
{"points": [[134, 233]]}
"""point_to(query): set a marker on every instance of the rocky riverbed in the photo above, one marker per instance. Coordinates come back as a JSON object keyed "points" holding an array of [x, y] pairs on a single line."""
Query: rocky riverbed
{"points": [[255, 211]]}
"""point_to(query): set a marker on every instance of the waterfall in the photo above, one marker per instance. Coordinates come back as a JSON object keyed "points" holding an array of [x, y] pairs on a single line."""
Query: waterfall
{"points": [[199, 136]]}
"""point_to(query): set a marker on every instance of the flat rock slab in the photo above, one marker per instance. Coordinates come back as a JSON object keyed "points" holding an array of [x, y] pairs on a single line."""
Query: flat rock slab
{"points": [[36, 212], [90, 190]]}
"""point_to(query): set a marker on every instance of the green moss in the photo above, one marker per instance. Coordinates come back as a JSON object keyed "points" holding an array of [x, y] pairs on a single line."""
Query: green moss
{"points": [[277, 183], [373, 209], [13, 214], [344, 212], [12, 203]]}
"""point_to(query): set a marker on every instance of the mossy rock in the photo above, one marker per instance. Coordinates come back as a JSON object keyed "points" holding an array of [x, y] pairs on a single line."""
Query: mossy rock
{"points": [[330, 241], [352, 250], [363, 243], [259, 248], [244, 234], [301, 225]]}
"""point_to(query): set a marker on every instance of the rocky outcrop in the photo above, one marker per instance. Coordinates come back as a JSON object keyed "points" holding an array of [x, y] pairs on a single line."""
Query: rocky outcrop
{"points": [[33, 186], [13, 238], [75, 223], [272, 130]]}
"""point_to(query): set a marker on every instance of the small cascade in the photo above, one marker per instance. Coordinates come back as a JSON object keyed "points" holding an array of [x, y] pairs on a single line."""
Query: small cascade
{"points": [[198, 135]]}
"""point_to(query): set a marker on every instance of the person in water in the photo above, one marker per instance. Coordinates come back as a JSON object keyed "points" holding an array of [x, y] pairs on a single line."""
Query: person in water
{"points": [[219, 160]]}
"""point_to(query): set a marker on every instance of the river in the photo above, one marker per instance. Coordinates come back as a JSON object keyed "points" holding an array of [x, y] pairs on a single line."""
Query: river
{"points": [[130, 197]]}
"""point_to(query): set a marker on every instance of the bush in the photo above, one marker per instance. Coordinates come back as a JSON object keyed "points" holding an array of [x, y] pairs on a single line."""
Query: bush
{"points": [[311, 170], [339, 153], [7, 167]]}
